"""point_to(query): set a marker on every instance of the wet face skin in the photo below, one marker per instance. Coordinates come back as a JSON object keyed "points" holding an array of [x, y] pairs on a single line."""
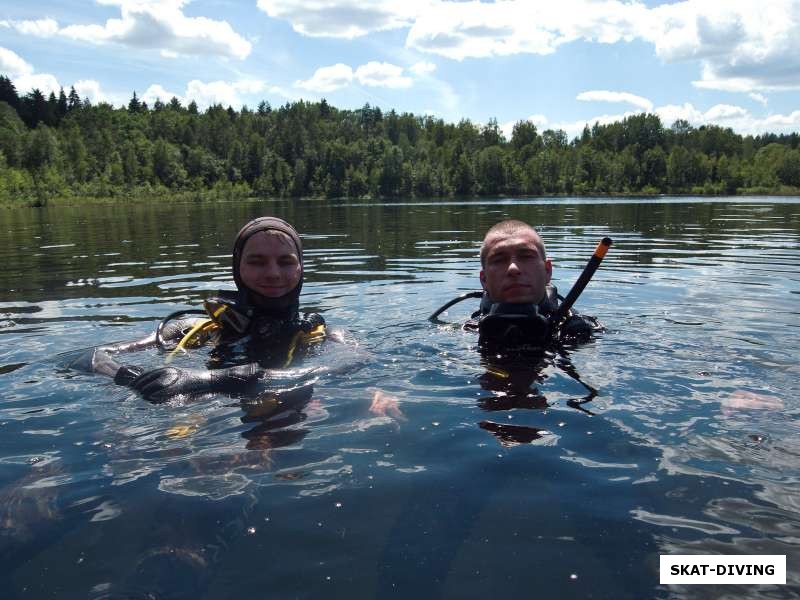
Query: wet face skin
{"points": [[515, 269], [270, 265]]}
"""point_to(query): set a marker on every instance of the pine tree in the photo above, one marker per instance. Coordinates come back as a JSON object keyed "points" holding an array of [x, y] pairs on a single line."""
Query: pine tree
{"points": [[51, 116], [33, 108], [134, 105], [62, 105], [73, 100], [8, 93]]}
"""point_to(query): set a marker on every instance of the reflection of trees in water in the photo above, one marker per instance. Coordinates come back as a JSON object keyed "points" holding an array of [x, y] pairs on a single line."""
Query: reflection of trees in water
{"points": [[64, 250], [30, 505]]}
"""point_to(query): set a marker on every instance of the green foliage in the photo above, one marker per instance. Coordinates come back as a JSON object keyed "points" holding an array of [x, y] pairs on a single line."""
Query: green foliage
{"points": [[167, 165], [62, 146], [41, 150], [490, 170]]}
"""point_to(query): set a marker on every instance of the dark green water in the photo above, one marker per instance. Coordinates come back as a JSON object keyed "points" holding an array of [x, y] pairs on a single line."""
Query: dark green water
{"points": [[691, 445]]}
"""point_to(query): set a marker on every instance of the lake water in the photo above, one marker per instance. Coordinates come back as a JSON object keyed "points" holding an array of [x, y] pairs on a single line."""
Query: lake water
{"points": [[690, 446]]}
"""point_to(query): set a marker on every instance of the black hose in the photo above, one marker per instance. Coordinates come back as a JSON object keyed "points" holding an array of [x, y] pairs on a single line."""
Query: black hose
{"points": [[443, 308], [583, 279], [160, 341]]}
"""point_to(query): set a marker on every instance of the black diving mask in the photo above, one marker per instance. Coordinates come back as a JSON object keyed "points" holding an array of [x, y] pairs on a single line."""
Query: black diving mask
{"points": [[509, 325]]}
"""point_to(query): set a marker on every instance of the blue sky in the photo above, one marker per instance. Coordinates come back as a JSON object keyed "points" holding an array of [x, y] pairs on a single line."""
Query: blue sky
{"points": [[560, 64]]}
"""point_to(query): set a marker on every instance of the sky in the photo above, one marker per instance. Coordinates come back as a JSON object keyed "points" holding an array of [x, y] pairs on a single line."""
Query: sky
{"points": [[558, 64]]}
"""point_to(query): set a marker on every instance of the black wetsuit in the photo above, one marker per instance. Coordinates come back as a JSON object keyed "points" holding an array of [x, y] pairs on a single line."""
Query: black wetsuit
{"points": [[237, 361], [257, 336], [504, 326]]}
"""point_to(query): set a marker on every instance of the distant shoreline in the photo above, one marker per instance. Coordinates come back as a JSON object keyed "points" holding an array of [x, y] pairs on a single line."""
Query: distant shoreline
{"points": [[204, 196]]}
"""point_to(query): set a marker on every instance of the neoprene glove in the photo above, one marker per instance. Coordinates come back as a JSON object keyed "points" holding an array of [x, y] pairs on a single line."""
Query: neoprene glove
{"points": [[159, 385]]}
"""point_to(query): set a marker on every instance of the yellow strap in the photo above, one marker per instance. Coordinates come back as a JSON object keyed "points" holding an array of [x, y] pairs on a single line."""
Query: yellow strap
{"points": [[498, 372], [203, 326], [314, 336], [292, 347]]}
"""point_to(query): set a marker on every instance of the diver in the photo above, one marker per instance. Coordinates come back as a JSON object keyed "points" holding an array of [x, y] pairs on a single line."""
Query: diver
{"points": [[520, 309], [257, 331], [523, 324]]}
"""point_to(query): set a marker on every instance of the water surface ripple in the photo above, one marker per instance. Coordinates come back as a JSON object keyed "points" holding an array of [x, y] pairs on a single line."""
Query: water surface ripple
{"points": [[690, 446]]}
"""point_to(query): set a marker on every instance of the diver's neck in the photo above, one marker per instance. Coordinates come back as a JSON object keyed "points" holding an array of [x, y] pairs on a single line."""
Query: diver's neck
{"points": [[283, 307]]}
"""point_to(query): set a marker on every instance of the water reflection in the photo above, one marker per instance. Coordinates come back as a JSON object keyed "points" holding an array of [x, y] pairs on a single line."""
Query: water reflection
{"points": [[679, 436]]}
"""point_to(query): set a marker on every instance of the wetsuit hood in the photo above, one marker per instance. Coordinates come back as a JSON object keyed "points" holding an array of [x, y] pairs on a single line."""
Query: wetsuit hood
{"points": [[285, 306]]}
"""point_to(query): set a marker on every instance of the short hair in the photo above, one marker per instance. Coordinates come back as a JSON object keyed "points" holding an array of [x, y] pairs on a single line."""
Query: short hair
{"points": [[510, 227]]}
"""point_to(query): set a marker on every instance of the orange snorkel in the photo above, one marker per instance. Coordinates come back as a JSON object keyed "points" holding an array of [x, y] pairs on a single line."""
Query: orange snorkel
{"points": [[580, 284]]}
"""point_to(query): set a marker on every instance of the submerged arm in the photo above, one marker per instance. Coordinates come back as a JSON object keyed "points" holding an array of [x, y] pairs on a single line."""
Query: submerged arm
{"points": [[101, 359], [161, 384]]}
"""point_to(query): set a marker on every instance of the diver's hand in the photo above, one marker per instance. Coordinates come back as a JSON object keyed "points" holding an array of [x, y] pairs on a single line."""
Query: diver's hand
{"points": [[386, 405], [159, 385], [95, 360]]}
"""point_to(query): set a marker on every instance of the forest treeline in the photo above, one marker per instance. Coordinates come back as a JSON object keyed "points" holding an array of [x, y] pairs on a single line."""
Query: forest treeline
{"points": [[63, 146]]}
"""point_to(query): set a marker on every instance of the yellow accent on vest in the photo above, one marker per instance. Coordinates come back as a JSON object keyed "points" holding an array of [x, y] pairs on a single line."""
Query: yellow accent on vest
{"points": [[201, 331], [498, 372], [301, 338]]}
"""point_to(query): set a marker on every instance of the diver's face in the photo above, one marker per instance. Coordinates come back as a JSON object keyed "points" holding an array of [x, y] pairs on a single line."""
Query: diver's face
{"points": [[270, 265], [515, 269]]}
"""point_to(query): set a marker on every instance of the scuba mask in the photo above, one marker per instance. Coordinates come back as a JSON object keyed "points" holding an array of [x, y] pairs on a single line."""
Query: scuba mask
{"points": [[509, 325]]}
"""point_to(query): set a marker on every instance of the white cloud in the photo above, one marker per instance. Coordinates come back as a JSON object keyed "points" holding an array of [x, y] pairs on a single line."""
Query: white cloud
{"points": [[221, 92], [12, 64], [760, 98], [538, 120], [162, 25], [673, 112], [44, 82], [723, 112], [40, 28], [790, 122], [422, 67], [460, 30], [741, 45], [724, 115], [371, 74], [328, 79], [744, 46], [157, 92], [606, 96], [26, 79], [381, 74], [206, 94], [23, 75], [344, 18], [89, 88], [744, 123], [711, 81]]}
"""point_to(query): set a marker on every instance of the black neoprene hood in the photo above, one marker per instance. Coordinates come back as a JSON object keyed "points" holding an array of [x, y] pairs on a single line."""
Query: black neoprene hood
{"points": [[289, 300]]}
